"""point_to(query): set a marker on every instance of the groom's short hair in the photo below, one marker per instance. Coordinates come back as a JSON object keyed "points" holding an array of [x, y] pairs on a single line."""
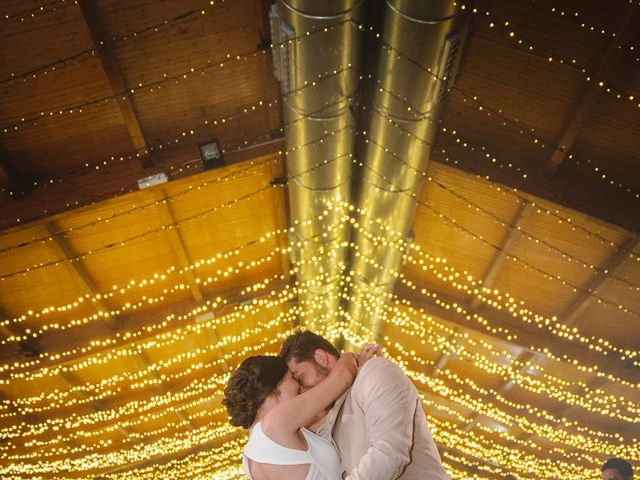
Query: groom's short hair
{"points": [[301, 346]]}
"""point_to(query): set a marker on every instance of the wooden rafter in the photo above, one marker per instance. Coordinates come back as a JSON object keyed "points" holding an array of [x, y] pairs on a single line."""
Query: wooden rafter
{"points": [[162, 386], [101, 38], [232, 298], [582, 300], [524, 337], [162, 459], [177, 243], [18, 183], [97, 405], [63, 250], [511, 236], [587, 99]]}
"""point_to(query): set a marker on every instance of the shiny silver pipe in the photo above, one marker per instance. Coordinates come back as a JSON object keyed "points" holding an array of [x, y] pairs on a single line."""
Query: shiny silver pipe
{"points": [[317, 37], [408, 85]]}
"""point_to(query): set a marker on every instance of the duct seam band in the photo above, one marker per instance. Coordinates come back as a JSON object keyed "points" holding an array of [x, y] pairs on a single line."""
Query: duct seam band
{"points": [[322, 17], [432, 21]]}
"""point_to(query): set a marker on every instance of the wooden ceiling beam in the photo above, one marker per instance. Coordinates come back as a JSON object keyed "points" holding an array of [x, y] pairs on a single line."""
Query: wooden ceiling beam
{"points": [[162, 459], [20, 184], [583, 299], [62, 250], [527, 338], [589, 95], [94, 21], [144, 318], [525, 356], [97, 405], [511, 237], [168, 220], [162, 386]]}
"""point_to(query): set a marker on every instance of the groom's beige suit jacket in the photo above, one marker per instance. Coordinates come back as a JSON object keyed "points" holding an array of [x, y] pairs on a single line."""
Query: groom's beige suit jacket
{"points": [[380, 428]]}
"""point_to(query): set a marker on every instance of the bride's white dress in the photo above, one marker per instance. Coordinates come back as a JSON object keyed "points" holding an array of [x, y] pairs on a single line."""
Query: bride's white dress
{"points": [[322, 455]]}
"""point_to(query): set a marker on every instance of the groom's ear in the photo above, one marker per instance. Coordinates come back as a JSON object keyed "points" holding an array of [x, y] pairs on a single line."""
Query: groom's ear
{"points": [[321, 357]]}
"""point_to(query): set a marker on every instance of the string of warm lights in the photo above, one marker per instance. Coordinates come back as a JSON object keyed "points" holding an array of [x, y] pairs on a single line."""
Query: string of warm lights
{"points": [[138, 236], [544, 429], [565, 255], [58, 65], [167, 399], [503, 301], [186, 134], [576, 18], [515, 454], [124, 339], [155, 85], [159, 277], [510, 256], [598, 171], [504, 190], [504, 223], [608, 179], [492, 297], [194, 395], [125, 343], [516, 311], [243, 171], [48, 7], [530, 47], [535, 380], [197, 216]]}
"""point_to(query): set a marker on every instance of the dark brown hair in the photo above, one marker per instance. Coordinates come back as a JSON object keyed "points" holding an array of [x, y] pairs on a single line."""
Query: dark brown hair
{"points": [[302, 345], [255, 379], [621, 466]]}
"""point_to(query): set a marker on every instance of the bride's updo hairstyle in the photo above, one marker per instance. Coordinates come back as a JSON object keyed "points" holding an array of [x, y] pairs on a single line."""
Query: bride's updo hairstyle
{"points": [[255, 379]]}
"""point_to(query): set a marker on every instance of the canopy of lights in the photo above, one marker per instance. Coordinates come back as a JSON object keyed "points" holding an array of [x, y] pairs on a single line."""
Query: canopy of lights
{"points": [[457, 181]]}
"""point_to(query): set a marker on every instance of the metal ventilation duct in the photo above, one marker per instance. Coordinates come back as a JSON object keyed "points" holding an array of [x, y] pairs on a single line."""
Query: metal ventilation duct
{"points": [[316, 60], [417, 52]]}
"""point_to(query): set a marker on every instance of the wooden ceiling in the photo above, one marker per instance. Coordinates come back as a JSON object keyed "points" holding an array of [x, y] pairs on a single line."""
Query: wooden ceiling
{"points": [[123, 309]]}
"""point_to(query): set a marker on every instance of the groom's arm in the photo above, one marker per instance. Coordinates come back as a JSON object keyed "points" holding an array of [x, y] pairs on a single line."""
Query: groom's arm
{"points": [[389, 402]]}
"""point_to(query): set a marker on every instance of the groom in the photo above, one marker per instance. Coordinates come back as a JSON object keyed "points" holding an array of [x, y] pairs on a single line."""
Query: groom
{"points": [[378, 424]]}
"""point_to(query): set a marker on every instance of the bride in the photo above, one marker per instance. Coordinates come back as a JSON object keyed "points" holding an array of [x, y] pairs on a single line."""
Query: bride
{"points": [[262, 396]]}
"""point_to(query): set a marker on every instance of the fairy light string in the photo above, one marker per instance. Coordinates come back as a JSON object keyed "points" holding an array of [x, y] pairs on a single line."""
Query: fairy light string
{"points": [[157, 84], [488, 156], [531, 48], [597, 170], [480, 238], [48, 7], [192, 217], [186, 134]]}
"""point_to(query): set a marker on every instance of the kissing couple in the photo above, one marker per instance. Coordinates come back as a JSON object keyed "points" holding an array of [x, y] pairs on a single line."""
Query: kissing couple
{"points": [[316, 414]]}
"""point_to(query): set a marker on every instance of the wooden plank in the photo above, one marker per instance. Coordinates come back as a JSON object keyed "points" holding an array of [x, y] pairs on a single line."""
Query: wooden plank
{"points": [[101, 38], [20, 184], [162, 386], [232, 296], [507, 385], [589, 94], [162, 459], [527, 338], [511, 237], [167, 218], [61, 249], [583, 299]]}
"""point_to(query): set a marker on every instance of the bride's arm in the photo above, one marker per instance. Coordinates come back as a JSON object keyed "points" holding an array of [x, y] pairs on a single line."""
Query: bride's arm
{"points": [[298, 411]]}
